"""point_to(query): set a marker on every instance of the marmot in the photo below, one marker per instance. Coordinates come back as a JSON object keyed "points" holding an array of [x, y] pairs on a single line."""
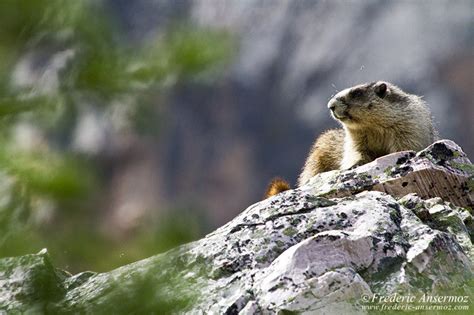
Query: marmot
{"points": [[377, 118]]}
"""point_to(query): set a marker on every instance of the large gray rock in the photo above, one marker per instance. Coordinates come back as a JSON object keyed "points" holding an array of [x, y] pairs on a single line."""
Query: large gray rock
{"points": [[330, 246], [441, 170]]}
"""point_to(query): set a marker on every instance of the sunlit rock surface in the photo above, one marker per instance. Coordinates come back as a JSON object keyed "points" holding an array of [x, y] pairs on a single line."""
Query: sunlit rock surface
{"points": [[319, 249]]}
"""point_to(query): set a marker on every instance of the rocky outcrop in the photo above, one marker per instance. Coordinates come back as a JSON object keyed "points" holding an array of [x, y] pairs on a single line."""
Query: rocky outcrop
{"points": [[334, 245], [442, 170]]}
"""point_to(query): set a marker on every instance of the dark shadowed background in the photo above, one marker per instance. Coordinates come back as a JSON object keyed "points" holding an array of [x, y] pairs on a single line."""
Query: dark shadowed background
{"points": [[234, 96]]}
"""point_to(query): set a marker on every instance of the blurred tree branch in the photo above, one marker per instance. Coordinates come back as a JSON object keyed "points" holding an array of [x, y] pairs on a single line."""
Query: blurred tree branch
{"points": [[79, 55]]}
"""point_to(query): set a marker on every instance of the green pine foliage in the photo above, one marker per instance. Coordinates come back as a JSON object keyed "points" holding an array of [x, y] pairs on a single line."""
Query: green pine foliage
{"points": [[99, 66]]}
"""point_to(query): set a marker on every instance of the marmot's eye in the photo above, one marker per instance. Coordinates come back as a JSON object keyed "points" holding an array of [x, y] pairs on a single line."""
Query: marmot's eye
{"points": [[356, 93]]}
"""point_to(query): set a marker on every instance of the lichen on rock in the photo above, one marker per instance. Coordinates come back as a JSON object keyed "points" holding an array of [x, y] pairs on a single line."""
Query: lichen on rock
{"points": [[319, 248]]}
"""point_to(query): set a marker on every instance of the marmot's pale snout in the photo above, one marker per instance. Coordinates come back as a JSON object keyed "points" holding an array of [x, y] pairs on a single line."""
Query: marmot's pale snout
{"points": [[377, 118]]}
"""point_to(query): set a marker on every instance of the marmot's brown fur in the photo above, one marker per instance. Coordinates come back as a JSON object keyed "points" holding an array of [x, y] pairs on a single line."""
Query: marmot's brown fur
{"points": [[377, 118], [276, 186]]}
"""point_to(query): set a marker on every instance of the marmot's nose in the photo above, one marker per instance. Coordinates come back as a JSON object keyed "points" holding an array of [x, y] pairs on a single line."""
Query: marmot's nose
{"points": [[332, 104], [336, 101]]}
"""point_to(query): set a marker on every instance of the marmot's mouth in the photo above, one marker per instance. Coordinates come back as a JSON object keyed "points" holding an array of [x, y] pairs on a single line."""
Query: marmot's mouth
{"points": [[344, 116]]}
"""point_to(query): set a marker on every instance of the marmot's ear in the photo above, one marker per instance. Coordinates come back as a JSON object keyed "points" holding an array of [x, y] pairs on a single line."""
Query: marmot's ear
{"points": [[381, 89]]}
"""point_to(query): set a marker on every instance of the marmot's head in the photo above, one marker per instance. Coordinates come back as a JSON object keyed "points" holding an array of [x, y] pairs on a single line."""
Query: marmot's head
{"points": [[371, 104]]}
